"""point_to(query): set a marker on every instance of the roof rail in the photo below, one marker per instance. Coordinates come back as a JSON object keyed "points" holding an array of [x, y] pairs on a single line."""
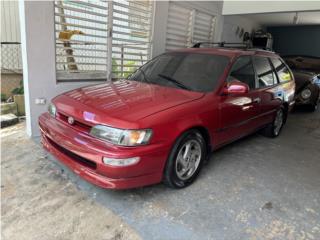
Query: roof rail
{"points": [[223, 44], [261, 49], [241, 45]]}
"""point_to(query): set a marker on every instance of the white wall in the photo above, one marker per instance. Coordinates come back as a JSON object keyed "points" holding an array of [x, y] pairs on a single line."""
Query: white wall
{"points": [[230, 24], [247, 7]]}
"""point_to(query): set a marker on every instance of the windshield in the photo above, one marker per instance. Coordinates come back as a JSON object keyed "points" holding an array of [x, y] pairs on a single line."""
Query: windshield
{"points": [[190, 71]]}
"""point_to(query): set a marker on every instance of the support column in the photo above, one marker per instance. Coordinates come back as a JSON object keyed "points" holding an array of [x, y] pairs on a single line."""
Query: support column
{"points": [[38, 61], [38, 57]]}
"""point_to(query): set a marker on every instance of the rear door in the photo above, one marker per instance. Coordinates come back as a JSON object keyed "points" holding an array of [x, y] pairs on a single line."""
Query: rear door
{"points": [[286, 80], [239, 112], [270, 92]]}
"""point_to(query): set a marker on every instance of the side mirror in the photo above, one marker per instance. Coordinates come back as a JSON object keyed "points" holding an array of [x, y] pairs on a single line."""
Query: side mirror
{"points": [[236, 87]]}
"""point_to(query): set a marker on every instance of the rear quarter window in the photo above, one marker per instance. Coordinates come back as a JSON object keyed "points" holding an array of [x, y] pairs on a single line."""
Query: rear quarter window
{"points": [[265, 73], [282, 70]]}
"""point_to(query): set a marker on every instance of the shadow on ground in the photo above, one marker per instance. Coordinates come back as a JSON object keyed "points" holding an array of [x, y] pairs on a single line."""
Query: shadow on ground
{"points": [[255, 188]]}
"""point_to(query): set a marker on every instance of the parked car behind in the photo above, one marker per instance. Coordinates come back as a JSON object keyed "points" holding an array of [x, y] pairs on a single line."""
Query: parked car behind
{"points": [[162, 122], [307, 89], [306, 70], [306, 63]]}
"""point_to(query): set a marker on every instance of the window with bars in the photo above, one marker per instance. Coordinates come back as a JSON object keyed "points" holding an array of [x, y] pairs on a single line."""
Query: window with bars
{"points": [[81, 40], [84, 42], [132, 25], [186, 26]]}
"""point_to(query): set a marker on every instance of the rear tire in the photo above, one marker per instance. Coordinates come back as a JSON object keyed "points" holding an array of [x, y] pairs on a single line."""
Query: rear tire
{"points": [[273, 129], [185, 160]]}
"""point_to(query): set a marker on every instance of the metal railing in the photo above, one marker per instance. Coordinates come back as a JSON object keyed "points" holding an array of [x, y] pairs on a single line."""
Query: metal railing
{"points": [[127, 63], [11, 60]]}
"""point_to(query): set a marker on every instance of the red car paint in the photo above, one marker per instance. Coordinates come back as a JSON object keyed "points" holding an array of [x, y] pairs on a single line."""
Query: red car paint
{"points": [[167, 111]]}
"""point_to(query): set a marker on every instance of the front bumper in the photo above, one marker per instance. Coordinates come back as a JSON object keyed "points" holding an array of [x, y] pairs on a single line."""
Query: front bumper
{"points": [[83, 154]]}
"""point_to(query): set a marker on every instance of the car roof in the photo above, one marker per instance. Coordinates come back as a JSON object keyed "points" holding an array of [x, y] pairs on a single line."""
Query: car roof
{"points": [[229, 52]]}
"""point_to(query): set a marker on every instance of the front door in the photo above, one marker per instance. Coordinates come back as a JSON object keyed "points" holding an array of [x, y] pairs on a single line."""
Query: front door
{"points": [[239, 112]]}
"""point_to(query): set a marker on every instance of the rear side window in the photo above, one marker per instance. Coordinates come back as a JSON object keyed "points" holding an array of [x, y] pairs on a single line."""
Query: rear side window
{"points": [[266, 75], [281, 69], [242, 70]]}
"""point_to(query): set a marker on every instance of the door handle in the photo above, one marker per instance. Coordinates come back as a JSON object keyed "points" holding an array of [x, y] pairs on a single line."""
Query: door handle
{"points": [[256, 100]]}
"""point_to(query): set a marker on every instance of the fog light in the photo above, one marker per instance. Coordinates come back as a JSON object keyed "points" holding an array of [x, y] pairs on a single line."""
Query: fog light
{"points": [[120, 162]]}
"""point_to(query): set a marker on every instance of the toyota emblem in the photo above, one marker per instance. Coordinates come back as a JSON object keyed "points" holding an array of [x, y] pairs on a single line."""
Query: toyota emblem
{"points": [[70, 120]]}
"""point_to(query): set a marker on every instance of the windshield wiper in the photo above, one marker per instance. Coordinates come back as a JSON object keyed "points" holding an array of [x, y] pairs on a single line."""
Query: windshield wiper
{"points": [[177, 83]]}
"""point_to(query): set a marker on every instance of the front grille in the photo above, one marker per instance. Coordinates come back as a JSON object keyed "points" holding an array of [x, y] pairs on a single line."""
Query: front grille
{"points": [[77, 124], [83, 161]]}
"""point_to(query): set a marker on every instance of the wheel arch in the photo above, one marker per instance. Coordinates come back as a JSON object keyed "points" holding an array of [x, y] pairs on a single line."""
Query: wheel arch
{"points": [[204, 133], [206, 136]]}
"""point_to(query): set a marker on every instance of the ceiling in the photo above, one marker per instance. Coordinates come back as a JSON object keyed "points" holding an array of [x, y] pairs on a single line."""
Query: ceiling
{"points": [[286, 19]]}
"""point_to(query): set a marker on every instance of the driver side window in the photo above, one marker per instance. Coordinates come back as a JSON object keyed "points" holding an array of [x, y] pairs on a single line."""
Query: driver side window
{"points": [[242, 70]]}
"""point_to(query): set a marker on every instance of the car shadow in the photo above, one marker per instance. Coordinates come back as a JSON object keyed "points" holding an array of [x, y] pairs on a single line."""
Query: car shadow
{"points": [[301, 110]]}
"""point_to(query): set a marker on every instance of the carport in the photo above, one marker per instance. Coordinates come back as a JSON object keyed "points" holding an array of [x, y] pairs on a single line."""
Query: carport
{"points": [[255, 188]]}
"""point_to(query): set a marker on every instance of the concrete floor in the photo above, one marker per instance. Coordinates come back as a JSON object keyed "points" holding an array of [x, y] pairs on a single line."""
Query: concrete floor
{"points": [[256, 188]]}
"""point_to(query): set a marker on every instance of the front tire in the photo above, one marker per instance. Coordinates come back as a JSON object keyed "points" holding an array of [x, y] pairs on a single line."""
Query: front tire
{"points": [[185, 160], [273, 129]]}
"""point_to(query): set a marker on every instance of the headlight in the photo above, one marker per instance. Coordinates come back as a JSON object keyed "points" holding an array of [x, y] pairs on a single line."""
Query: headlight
{"points": [[306, 93], [121, 136], [52, 110]]}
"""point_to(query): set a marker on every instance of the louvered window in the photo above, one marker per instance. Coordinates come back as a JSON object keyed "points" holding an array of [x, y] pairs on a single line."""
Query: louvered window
{"points": [[85, 45], [203, 27], [186, 26], [179, 27], [81, 40], [132, 23]]}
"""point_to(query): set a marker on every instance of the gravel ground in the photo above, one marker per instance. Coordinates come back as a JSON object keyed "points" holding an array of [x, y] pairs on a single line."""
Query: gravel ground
{"points": [[254, 189], [38, 201]]}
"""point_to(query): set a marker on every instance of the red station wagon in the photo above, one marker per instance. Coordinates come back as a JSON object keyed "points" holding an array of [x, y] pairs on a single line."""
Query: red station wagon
{"points": [[162, 122]]}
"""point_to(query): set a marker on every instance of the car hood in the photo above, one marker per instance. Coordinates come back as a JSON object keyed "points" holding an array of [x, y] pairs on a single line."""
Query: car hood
{"points": [[121, 102]]}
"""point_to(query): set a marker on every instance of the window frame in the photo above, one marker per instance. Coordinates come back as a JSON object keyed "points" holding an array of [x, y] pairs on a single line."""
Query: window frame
{"points": [[109, 39], [272, 68], [283, 62], [56, 63]]}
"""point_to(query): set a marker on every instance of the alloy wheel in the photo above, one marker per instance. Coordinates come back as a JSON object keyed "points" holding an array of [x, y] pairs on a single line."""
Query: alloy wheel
{"points": [[188, 159]]}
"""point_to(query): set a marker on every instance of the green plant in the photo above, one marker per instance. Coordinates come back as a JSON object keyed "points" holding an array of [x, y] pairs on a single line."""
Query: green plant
{"points": [[130, 66], [3, 97], [115, 67], [19, 90]]}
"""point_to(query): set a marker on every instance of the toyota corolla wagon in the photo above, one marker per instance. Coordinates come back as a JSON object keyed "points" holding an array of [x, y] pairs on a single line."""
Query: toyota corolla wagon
{"points": [[161, 123]]}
